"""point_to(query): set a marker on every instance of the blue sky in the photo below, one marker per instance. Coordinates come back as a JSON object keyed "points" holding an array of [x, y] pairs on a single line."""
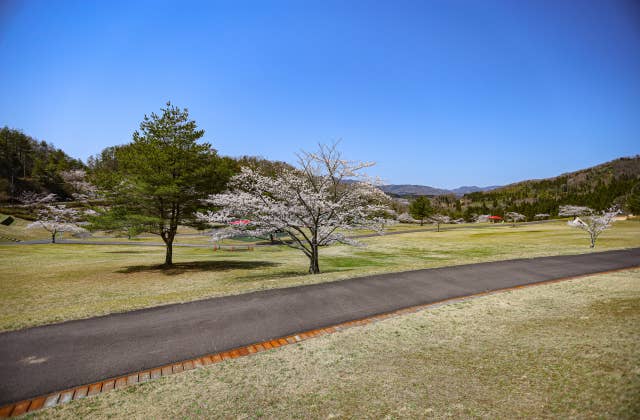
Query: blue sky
{"points": [[443, 93]]}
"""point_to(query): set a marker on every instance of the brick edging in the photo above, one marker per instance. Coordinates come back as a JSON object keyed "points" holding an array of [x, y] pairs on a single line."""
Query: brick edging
{"points": [[87, 390]]}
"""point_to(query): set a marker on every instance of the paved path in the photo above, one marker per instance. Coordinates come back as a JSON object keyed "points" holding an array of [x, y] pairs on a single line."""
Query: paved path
{"points": [[44, 359]]}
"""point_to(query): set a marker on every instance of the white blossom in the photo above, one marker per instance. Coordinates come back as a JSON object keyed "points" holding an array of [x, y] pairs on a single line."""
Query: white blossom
{"points": [[316, 204], [406, 218], [593, 223], [82, 189], [32, 198], [438, 219], [57, 218], [570, 210], [514, 217], [482, 218]]}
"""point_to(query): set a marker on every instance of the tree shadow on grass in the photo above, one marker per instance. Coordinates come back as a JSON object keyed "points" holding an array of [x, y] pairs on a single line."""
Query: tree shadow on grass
{"points": [[272, 276], [191, 266], [291, 273]]}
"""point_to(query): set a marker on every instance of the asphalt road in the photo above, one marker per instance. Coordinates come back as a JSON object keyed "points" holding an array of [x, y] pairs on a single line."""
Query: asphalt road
{"points": [[44, 359]]}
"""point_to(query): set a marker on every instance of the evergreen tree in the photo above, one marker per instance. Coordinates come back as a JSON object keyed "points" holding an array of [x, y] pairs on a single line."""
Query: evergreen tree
{"points": [[420, 209], [633, 201], [162, 175]]}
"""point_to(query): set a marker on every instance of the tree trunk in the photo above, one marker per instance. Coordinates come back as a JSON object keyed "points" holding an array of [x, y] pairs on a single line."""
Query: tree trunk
{"points": [[593, 242], [168, 259], [438, 224], [314, 265], [421, 222], [272, 239], [53, 237], [168, 240]]}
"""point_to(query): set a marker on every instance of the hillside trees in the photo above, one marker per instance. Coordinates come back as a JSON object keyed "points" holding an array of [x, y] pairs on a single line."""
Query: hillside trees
{"points": [[265, 167], [598, 187], [313, 203], [632, 202], [156, 182], [30, 165]]}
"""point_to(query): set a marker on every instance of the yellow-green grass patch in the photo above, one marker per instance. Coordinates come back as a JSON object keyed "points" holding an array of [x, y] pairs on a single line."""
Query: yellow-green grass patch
{"points": [[42, 284]]}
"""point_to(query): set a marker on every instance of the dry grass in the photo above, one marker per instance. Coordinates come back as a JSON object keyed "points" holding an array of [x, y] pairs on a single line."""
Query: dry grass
{"points": [[566, 350], [18, 230], [42, 284]]}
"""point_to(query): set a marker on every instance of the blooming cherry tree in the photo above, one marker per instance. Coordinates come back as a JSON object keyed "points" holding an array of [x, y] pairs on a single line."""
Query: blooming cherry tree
{"points": [[482, 218], [571, 210], [588, 220], [315, 204], [406, 218], [57, 218], [438, 219], [514, 217], [32, 199], [82, 189]]}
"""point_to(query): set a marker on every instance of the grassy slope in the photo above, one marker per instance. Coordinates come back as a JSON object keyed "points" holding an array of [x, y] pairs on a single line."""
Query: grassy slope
{"points": [[566, 350], [42, 284], [18, 230]]}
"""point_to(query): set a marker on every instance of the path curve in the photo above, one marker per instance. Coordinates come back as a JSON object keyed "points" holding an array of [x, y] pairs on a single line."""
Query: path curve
{"points": [[40, 360]]}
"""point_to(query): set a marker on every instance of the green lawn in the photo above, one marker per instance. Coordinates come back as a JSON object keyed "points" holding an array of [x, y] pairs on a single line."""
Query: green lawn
{"points": [[42, 284], [564, 350]]}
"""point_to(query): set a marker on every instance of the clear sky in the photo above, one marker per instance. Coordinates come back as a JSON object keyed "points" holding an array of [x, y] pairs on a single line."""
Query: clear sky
{"points": [[442, 93]]}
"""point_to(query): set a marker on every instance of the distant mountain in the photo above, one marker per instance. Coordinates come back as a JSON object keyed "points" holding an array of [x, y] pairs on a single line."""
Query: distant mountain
{"points": [[416, 190], [406, 189], [466, 189]]}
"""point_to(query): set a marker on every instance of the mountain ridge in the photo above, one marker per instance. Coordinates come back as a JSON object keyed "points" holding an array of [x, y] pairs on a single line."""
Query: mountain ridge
{"points": [[623, 167], [416, 190]]}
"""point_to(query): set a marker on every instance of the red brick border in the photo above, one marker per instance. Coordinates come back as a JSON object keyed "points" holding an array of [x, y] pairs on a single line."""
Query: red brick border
{"points": [[87, 390]]}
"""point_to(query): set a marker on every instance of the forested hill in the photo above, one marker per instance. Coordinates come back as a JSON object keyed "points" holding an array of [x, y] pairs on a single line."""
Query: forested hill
{"points": [[27, 164], [598, 187]]}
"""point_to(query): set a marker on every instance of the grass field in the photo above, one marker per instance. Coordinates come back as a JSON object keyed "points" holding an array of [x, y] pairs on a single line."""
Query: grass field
{"points": [[185, 234], [565, 350], [42, 284]]}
